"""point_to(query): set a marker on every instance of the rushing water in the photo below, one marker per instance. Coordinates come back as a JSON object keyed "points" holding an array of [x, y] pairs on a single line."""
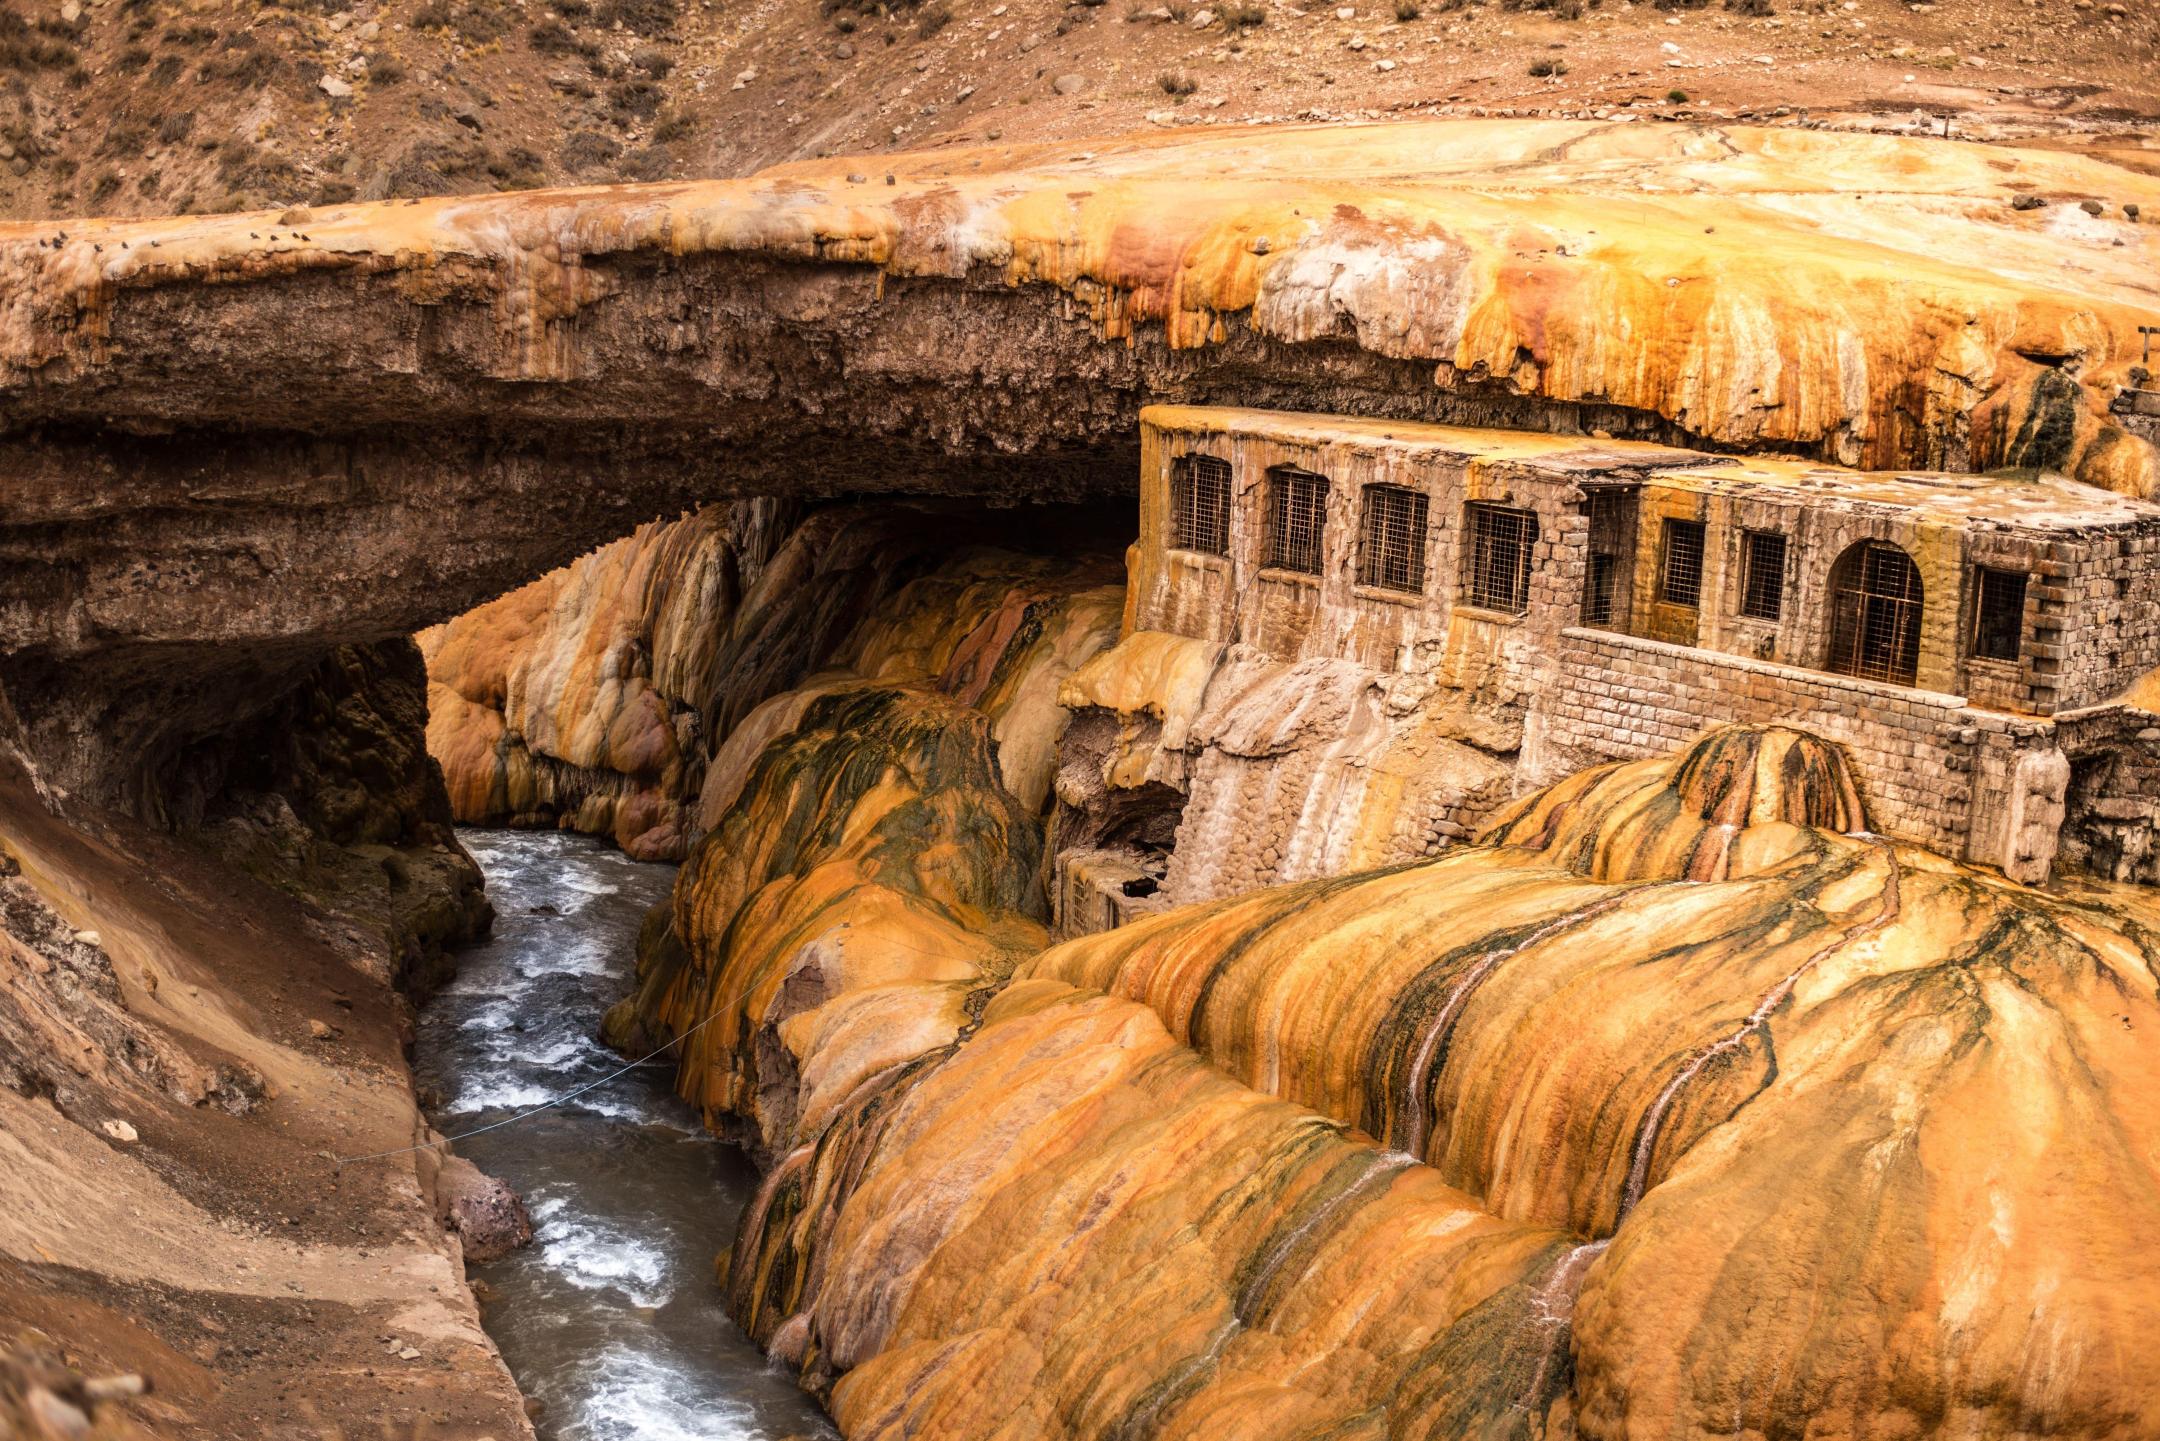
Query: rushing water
{"points": [[611, 1319]]}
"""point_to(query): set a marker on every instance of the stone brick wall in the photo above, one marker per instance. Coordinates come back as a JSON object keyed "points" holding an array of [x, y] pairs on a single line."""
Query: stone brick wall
{"points": [[1933, 770]]}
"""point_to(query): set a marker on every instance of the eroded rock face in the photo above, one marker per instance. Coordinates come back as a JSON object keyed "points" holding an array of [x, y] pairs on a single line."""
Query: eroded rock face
{"points": [[235, 443], [331, 795], [872, 847], [1221, 770], [1650, 1068], [608, 697]]}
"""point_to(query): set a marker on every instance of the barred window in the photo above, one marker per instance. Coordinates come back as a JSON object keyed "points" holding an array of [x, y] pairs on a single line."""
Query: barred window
{"points": [[1762, 574], [1497, 561], [1612, 541], [1681, 578], [1392, 550], [1876, 599], [1200, 504], [1297, 519], [1998, 614]]}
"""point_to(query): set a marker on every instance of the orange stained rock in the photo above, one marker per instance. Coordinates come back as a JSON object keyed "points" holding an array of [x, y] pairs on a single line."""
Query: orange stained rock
{"points": [[605, 696], [872, 874], [1874, 299], [1074, 1227], [1871, 1133]]}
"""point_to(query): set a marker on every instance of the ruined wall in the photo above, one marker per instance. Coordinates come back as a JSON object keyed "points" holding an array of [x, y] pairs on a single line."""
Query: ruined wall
{"points": [[1933, 770]]}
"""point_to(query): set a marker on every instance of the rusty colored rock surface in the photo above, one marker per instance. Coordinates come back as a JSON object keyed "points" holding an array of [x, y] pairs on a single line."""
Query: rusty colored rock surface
{"points": [[236, 442], [1874, 297], [1765, 1052], [606, 697], [872, 846], [1766, 1126]]}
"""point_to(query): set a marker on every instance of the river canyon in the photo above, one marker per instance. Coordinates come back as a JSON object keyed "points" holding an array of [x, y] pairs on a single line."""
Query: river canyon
{"points": [[1138, 791]]}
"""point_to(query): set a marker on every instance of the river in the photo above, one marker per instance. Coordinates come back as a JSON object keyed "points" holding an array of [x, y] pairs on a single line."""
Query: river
{"points": [[611, 1319]]}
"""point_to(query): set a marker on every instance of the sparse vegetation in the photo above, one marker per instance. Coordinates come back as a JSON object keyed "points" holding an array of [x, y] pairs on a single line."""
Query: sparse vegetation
{"points": [[1407, 10], [1548, 66], [934, 19], [645, 17], [386, 69], [131, 59], [1177, 82], [175, 127], [30, 49], [633, 100], [124, 138], [552, 37], [1677, 97], [1244, 17], [653, 60], [675, 125], [1750, 7], [588, 150]]}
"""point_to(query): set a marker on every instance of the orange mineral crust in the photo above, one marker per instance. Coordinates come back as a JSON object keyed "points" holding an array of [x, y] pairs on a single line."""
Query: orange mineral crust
{"points": [[1870, 299], [1788, 1129]]}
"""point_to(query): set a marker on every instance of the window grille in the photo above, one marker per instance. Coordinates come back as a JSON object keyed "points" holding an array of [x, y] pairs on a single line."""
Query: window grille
{"points": [[1762, 574], [1392, 552], [1498, 577], [1297, 519], [1999, 615], [1612, 533], [1200, 504], [1875, 613], [1681, 581]]}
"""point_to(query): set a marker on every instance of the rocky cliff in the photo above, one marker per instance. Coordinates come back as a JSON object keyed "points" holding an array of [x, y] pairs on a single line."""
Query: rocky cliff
{"points": [[606, 696]]}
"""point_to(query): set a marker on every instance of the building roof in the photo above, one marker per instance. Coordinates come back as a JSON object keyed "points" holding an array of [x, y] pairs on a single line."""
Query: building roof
{"points": [[2021, 499]]}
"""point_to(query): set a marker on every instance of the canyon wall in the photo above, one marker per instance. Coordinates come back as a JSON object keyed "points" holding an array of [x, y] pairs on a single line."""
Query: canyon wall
{"points": [[184, 1051], [605, 697]]}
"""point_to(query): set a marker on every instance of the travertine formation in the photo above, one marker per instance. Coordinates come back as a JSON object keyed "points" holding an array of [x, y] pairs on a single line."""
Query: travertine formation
{"points": [[608, 696], [1725, 1121], [235, 442]]}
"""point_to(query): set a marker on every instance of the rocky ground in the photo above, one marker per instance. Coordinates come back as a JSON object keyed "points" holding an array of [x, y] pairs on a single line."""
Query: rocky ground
{"points": [[175, 1086], [142, 107]]}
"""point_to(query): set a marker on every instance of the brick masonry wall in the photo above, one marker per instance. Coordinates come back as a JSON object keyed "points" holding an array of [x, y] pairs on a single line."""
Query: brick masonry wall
{"points": [[1933, 770]]}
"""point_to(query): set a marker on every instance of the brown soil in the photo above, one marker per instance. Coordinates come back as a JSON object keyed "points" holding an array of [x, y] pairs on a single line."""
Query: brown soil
{"points": [[154, 107], [265, 1290]]}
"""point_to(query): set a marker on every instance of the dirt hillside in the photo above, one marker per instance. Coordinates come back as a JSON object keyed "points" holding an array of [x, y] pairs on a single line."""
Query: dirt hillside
{"points": [[138, 107]]}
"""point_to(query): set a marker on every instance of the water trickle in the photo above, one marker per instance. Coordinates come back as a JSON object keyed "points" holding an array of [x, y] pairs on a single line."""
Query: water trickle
{"points": [[611, 1319], [1418, 1113], [1653, 1123]]}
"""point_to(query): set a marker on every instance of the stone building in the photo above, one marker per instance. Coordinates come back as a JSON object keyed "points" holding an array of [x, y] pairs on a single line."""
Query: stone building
{"points": [[1968, 639]]}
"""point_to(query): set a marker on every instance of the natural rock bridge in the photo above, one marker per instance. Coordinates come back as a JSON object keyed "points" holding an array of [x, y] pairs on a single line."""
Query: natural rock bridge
{"points": [[231, 443]]}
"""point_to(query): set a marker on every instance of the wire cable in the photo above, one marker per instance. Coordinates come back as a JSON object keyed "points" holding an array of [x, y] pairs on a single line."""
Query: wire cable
{"points": [[442, 1141]]}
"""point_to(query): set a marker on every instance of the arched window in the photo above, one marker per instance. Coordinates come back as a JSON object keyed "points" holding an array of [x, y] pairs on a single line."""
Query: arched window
{"points": [[1875, 613]]}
